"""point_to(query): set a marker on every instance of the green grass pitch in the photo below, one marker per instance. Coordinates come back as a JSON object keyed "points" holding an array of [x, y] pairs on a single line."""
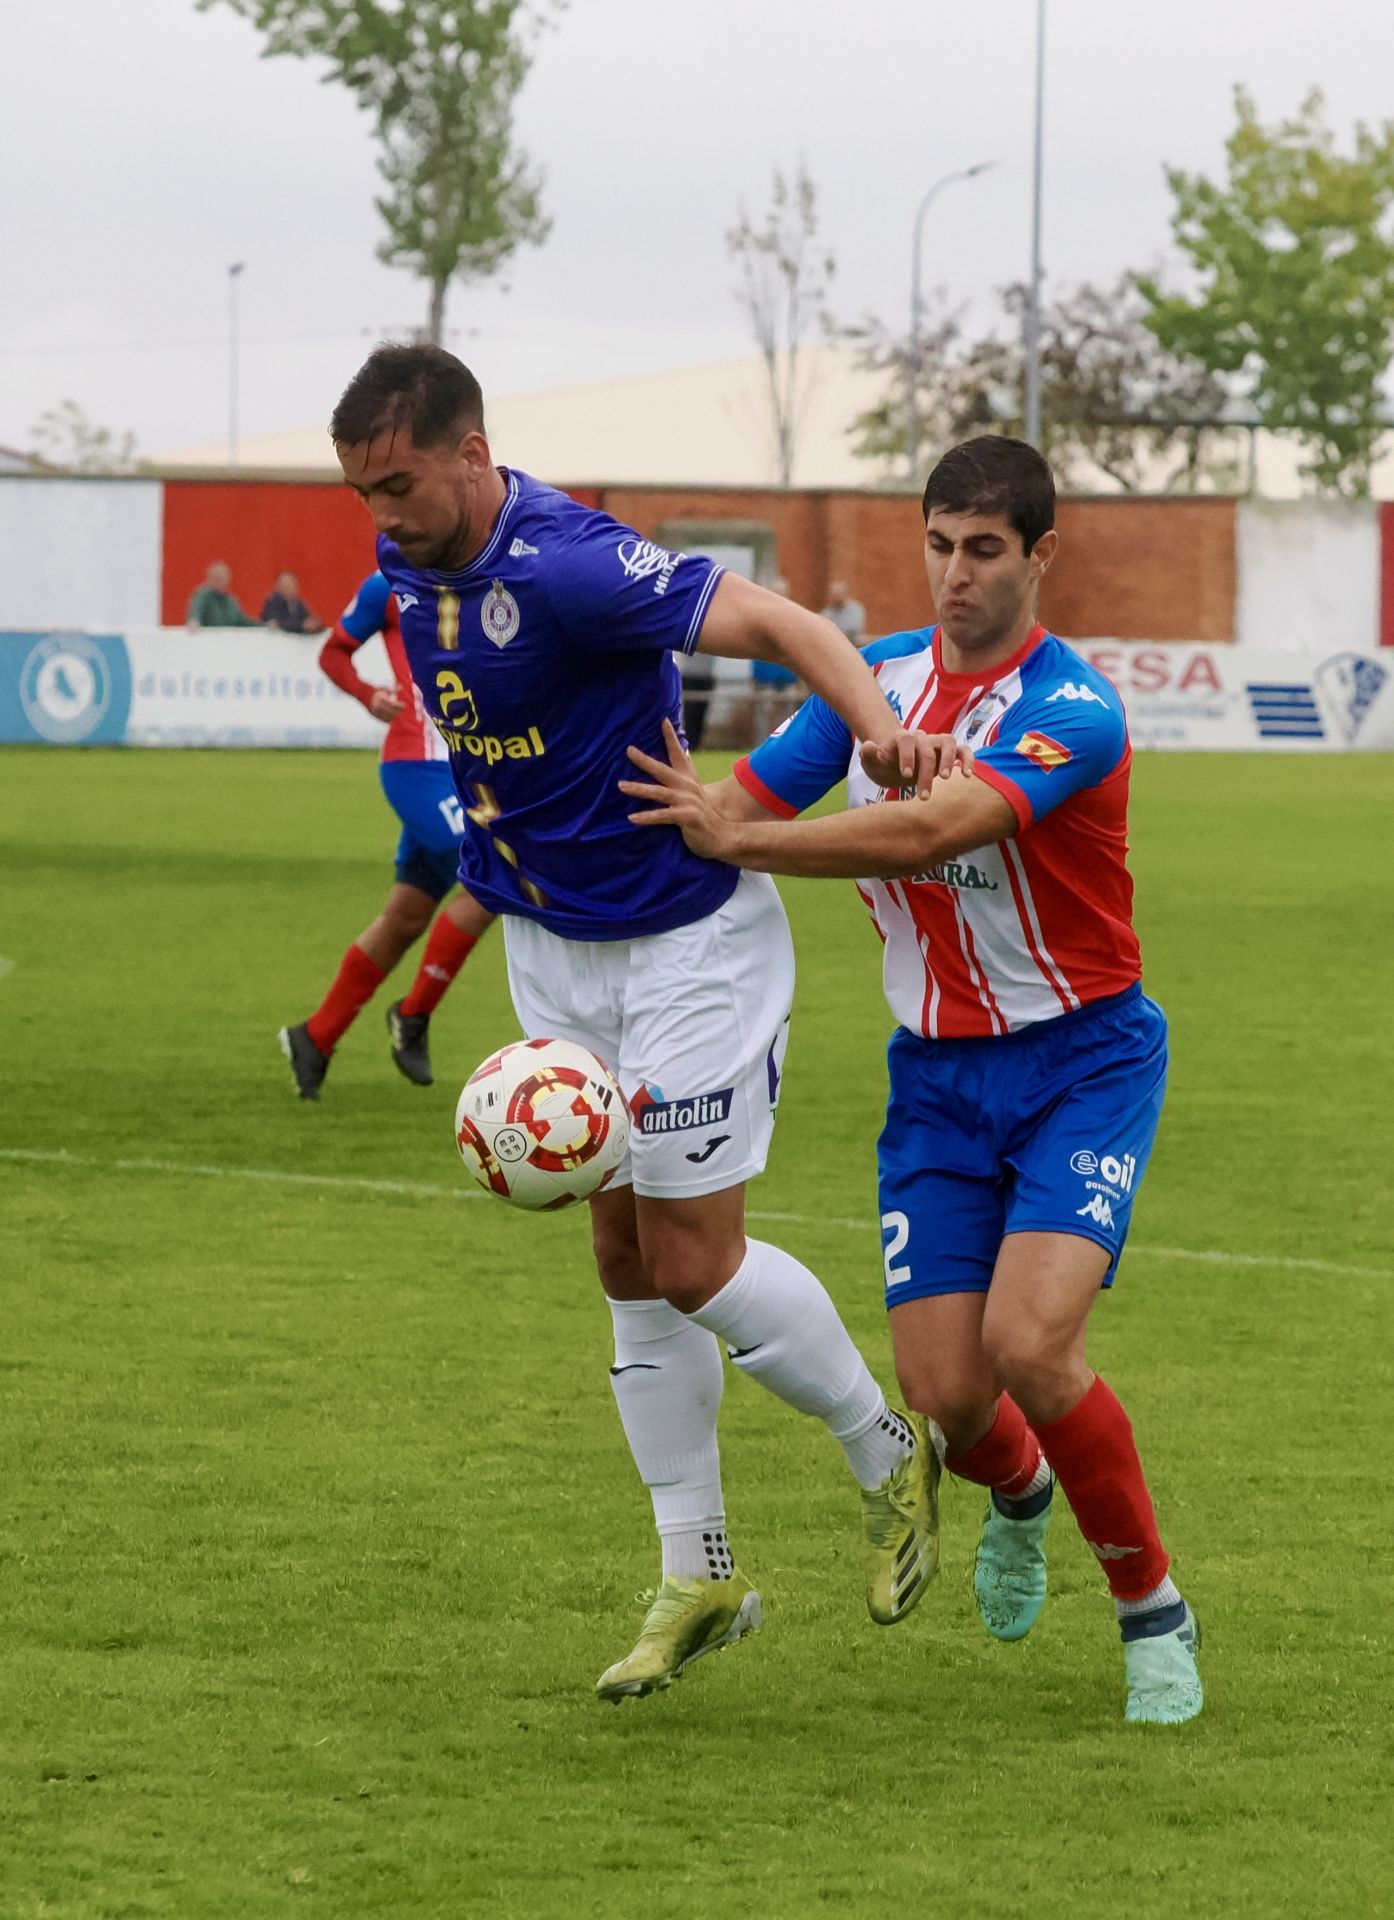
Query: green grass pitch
{"points": [[318, 1525]]}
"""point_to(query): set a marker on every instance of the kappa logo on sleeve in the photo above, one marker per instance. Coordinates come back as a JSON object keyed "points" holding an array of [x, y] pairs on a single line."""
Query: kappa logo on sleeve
{"points": [[1048, 754], [1071, 692]]}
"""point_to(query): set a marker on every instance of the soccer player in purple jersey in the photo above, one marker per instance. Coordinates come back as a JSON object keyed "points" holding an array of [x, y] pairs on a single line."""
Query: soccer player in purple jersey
{"points": [[1027, 1068], [541, 634]]}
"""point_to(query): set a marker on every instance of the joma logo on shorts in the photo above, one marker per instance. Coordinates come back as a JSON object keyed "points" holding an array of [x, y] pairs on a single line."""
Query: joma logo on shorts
{"points": [[677, 1116]]}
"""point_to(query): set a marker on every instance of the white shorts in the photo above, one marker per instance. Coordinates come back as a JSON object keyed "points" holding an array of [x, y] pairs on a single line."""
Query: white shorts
{"points": [[693, 1023]]}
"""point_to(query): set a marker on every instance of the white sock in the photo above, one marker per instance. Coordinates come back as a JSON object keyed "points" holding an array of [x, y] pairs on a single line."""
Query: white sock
{"points": [[667, 1381], [784, 1331], [1168, 1594]]}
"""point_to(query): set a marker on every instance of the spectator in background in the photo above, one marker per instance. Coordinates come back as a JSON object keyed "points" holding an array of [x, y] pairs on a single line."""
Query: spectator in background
{"points": [[698, 684], [284, 608], [845, 613], [214, 604]]}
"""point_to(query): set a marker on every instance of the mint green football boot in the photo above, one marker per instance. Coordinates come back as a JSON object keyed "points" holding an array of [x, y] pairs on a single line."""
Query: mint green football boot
{"points": [[1009, 1575], [1163, 1679]]}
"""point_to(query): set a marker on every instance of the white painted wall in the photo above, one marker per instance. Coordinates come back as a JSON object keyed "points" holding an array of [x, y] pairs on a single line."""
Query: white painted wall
{"points": [[79, 553], [1308, 573]]}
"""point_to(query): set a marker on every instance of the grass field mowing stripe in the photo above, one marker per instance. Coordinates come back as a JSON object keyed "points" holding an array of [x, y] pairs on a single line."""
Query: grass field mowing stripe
{"points": [[1213, 1256]]}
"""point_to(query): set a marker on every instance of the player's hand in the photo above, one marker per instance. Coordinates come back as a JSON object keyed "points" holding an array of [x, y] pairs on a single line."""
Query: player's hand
{"points": [[385, 704], [678, 798], [910, 759]]}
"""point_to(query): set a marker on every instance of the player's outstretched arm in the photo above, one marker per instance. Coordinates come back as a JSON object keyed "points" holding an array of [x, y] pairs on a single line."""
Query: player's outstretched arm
{"points": [[746, 622], [886, 842], [336, 663]]}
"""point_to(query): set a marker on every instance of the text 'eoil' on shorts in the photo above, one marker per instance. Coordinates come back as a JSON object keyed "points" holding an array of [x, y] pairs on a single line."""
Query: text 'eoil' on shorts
{"points": [[1047, 1130]]}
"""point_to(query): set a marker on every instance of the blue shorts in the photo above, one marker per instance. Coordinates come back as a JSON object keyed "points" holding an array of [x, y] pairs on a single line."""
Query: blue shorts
{"points": [[1043, 1131], [422, 795]]}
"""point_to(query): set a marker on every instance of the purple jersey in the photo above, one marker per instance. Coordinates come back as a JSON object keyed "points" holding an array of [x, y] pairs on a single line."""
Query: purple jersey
{"points": [[539, 663]]}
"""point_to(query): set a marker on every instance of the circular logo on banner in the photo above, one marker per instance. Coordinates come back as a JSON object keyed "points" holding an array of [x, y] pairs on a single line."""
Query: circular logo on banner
{"points": [[499, 615], [65, 687]]}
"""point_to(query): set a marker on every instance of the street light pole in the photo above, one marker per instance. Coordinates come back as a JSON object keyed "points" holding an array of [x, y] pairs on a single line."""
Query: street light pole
{"points": [[916, 304], [1032, 342], [233, 274]]}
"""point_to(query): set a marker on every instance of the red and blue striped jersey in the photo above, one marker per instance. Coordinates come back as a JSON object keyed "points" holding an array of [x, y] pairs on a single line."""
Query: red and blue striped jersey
{"points": [[372, 610], [1014, 933]]}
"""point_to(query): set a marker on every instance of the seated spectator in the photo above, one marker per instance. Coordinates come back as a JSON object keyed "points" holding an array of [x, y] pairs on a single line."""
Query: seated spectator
{"points": [[284, 608], [214, 604], [845, 612]]}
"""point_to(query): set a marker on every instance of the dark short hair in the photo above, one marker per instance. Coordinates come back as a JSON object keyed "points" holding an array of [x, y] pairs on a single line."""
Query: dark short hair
{"points": [[996, 474], [422, 388]]}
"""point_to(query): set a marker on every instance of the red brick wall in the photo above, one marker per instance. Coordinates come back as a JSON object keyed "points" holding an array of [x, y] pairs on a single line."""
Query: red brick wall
{"points": [[1130, 569], [1143, 570]]}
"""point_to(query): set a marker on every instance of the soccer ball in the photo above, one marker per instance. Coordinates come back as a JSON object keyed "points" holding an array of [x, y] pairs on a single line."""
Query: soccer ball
{"points": [[542, 1124]]}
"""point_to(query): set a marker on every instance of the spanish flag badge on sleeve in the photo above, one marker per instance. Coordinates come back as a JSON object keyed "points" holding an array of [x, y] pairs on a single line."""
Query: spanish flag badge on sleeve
{"points": [[1047, 753]]}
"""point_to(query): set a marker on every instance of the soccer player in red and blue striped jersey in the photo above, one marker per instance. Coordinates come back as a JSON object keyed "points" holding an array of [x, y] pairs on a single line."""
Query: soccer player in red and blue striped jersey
{"points": [[415, 774], [1027, 1069]]}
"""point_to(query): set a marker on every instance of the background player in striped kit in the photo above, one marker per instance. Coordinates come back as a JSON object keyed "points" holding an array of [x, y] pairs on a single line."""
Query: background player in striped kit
{"points": [[416, 780], [1028, 1068]]}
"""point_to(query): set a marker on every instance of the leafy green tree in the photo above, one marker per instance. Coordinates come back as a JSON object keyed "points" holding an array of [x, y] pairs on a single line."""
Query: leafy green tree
{"points": [[784, 276], [1294, 257], [440, 79]]}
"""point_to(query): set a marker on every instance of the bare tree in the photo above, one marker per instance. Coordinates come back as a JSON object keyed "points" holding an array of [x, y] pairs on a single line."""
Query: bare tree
{"points": [[1112, 396], [783, 283], [65, 436]]}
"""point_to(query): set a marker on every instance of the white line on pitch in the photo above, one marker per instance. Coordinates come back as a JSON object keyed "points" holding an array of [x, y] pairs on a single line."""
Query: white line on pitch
{"points": [[413, 1190]]}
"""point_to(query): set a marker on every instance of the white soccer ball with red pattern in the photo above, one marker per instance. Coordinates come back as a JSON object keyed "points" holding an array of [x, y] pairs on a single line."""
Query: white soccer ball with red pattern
{"points": [[542, 1124]]}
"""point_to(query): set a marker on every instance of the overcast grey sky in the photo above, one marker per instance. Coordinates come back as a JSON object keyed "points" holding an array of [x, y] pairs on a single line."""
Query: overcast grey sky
{"points": [[147, 147]]}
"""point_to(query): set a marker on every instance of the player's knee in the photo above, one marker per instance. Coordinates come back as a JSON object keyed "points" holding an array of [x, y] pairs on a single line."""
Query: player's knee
{"points": [[691, 1256], [620, 1265], [687, 1276], [962, 1409], [1028, 1360], [412, 918], [956, 1390]]}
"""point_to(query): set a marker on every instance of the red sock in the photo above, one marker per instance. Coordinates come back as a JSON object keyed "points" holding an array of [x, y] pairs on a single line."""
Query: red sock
{"points": [[1095, 1460], [1006, 1457], [357, 980], [447, 950]]}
